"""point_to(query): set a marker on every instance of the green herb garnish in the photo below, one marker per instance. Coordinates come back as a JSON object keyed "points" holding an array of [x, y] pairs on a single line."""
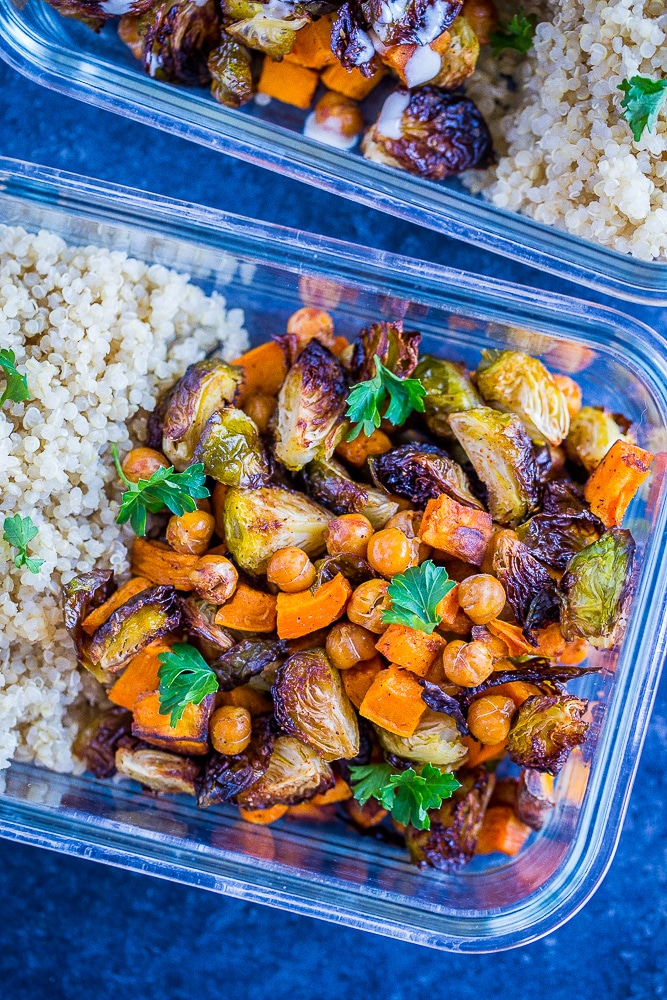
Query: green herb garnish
{"points": [[365, 401], [185, 678], [18, 531], [517, 35], [16, 388], [415, 596], [165, 488], [642, 103], [407, 795]]}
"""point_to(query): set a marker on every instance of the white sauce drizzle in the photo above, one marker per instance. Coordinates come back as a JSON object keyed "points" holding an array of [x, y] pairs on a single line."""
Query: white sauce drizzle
{"points": [[328, 133], [368, 50], [154, 63], [116, 8], [422, 66], [389, 122]]}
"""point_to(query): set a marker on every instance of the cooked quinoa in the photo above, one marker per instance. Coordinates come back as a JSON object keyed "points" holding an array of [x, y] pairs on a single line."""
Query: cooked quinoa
{"points": [[566, 155], [96, 333]]}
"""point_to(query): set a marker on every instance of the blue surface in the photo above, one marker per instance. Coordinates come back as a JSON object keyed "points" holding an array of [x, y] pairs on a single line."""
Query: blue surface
{"points": [[72, 930]]}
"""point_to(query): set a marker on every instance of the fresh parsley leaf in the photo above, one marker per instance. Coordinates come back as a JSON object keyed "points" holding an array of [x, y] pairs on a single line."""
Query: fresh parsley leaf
{"points": [[642, 103], [407, 795], [185, 678], [165, 488], [16, 388], [366, 400], [415, 596], [18, 531], [517, 35]]}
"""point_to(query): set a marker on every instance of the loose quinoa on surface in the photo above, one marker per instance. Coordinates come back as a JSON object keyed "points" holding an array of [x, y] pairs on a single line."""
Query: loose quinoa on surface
{"points": [[96, 333]]}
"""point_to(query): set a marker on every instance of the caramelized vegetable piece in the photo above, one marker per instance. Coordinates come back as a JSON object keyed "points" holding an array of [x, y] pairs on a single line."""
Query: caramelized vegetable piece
{"points": [[81, 596], [207, 386], [502, 831], [467, 664], [356, 452], [571, 391], [140, 675], [348, 533], [535, 797], [260, 408], [96, 743], [410, 648], [264, 370], [448, 390], [545, 730], [189, 735], [592, 433], [310, 323], [245, 697], [530, 589], [295, 773], [615, 481], [300, 614], [479, 753], [459, 531], [198, 618], [246, 659], [231, 451], [214, 579], [288, 82], [160, 564], [223, 777], [312, 46], [357, 680], [435, 741], [147, 616], [158, 770], [421, 472], [248, 610], [482, 17], [263, 817], [97, 617], [394, 701], [348, 644], [512, 636]]}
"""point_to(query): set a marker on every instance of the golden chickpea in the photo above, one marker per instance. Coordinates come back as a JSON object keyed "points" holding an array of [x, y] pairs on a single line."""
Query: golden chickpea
{"points": [[141, 463], [214, 578], [489, 718], [291, 570], [348, 644], [496, 647], [409, 522], [389, 552], [309, 323], [190, 532], [260, 408], [466, 663], [367, 603], [339, 114], [482, 597], [230, 729], [348, 533]]}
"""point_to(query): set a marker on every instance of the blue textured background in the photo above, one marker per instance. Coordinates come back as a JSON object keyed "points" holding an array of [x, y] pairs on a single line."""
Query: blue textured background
{"points": [[74, 930]]}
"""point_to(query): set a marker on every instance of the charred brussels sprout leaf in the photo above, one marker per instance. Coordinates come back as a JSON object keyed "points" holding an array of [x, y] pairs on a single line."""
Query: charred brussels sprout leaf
{"points": [[435, 698], [435, 741], [271, 35], [311, 403], [206, 387], [329, 483], [96, 743], [223, 777], [246, 659], [531, 591], [440, 134], [397, 349], [259, 522], [545, 730], [502, 455], [516, 383], [353, 568], [295, 773], [311, 703], [131, 627], [421, 472], [82, 595], [448, 390], [231, 450], [158, 770], [596, 590], [198, 619], [564, 527], [592, 433], [176, 39], [230, 67], [95, 12]]}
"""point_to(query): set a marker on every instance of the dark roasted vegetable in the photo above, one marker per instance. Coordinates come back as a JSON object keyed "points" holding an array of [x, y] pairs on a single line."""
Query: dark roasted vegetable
{"points": [[545, 730], [231, 70], [158, 770], [534, 797], [311, 703], [329, 483], [131, 627], [439, 701], [596, 589], [354, 568], [176, 39], [448, 390], [435, 741], [223, 777], [516, 383], [592, 433], [82, 595], [549, 678], [96, 743], [198, 618], [246, 659], [231, 450], [207, 386], [295, 774], [96, 12], [421, 472], [564, 526], [397, 349], [530, 591]]}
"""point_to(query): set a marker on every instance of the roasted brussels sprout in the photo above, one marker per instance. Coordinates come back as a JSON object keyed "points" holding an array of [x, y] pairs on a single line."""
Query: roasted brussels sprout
{"points": [[435, 741], [223, 777], [158, 769], [231, 70], [564, 526], [295, 773], [530, 590], [96, 743], [231, 450], [429, 132], [397, 349], [177, 37], [502, 455], [131, 627], [516, 383], [328, 482], [448, 390], [96, 12], [545, 730], [271, 34], [534, 797], [355, 569], [246, 659], [596, 590], [458, 60], [259, 522], [310, 703], [311, 404], [207, 386], [592, 433], [421, 472], [82, 595], [455, 826], [198, 618]]}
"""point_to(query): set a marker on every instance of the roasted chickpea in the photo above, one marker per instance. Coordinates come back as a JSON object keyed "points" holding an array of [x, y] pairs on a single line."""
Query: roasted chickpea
{"points": [[489, 718], [260, 408], [409, 522], [308, 324], [190, 532], [390, 552], [356, 452], [141, 463], [230, 729], [348, 533], [482, 17], [367, 603], [466, 663], [482, 597], [214, 578], [291, 570], [341, 115], [348, 644]]}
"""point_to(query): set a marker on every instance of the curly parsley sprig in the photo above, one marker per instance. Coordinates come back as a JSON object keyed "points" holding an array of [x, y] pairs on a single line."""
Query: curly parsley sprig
{"points": [[18, 531], [185, 678], [517, 35], [367, 399], [407, 795], [415, 596], [642, 103], [16, 388]]}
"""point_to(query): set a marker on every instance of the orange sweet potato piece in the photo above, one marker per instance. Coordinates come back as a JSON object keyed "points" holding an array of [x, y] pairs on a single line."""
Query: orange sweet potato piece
{"points": [[189, 735], [263, 816], [478, 752], [394, 701], [353, 84], [340, 792], [312, 46], [140, 675], [312, 812], [160, 564], [357, 680], [576, 651], [264, 370], [453, 618], [356, 452], [303, 613], [460, 531], [572, 392], [615, 481], [518, 691], [245, 697], [288, 82], [502, 831], [248, 610], [512, 636], [123, 594], [408, 647]]}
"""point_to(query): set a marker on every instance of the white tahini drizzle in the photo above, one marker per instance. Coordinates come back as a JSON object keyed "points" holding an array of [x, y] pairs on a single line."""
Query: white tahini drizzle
{"points": [[422, 66], [389, 122], [116, 8], [328, 132]]}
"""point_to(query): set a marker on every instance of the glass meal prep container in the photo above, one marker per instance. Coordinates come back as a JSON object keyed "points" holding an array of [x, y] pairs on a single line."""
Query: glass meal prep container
{"points": [[331, 871], [67, 56]]}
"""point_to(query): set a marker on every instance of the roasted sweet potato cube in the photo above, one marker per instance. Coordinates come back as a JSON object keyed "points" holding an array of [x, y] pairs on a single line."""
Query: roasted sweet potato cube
{"points": [[312, 46], [502, 831], [408, 647], [352, 84], [162, 565], [288, 82], [140, 676], [248, 610], [460, 531], [394, 701], [615, 481], [189, 735], [357, 680], [123, 594]]}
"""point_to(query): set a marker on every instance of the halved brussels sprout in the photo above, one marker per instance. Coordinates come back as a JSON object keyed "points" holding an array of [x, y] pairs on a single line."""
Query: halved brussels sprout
{"points": [[231, 450], [421, 472], [198, 618], [310, 703], [224, 777], [207, 386], [95, 12], [502, 455], [530, 590], [436, 741], [231, 70], [459, 59], [82, 595], [448, 390], [131, 627], [354, 568], [295, 773], [534, 797], [564, 526], [596, 590], [450, 843], [158, 770], [177, 37], [246, 659], [96, 743], [545, 730], [311, 403], [516, 383], [397, 349], [592, 433], [329, 482], [272, 35], [259, 522]]}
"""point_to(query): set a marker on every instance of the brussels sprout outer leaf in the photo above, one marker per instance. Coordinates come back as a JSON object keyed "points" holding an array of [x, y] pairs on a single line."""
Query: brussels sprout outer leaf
{"points": [[245, 660], [295, 773], [596, 589], [396, 348], [96, 743], [185, 677], [329, 484], [448, 390], [415, 596], [230, 450], [531, 591], [439, 701], [82, 595], [517, 383]]}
